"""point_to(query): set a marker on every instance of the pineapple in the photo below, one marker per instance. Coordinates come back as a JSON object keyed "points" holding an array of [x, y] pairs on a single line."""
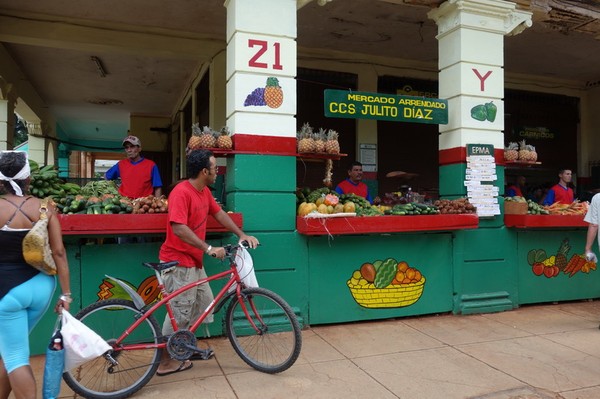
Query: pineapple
{"points": [[207, 138], [319, 138], [561, 256], [273, 94], [532, 153], [332, 146], [523, 151], [306, 143], [195, 142], [511, 153], [224, 139]]}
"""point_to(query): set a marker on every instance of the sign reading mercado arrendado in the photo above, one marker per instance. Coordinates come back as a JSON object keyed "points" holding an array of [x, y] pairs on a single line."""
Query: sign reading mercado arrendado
{"points": [[386, 107]]}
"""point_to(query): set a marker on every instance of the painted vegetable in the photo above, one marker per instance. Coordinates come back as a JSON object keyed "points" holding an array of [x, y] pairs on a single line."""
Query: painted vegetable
{"points": [[385, 273]]}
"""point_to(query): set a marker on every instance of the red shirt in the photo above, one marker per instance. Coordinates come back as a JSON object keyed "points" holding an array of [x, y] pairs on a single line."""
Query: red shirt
{"points": [[563, 195], [360, 189], [136, 178], [190, 207]]}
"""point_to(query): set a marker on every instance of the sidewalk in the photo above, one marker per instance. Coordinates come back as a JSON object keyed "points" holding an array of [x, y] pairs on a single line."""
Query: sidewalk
{"points": [[535, 352]]}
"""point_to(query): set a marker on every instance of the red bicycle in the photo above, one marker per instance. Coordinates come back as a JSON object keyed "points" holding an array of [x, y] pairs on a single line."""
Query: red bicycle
{"points": [[260, 325]]}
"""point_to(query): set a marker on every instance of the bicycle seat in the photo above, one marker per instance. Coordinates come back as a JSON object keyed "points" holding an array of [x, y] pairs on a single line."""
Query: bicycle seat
{"points": [[158, 266]]}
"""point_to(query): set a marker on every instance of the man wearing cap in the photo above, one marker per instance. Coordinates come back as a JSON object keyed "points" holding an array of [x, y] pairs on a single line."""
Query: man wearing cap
{"points": [[139, 176]]}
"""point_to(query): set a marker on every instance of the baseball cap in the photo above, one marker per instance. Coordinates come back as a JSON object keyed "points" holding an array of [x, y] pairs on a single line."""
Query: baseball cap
{"points": [[133, 140]]}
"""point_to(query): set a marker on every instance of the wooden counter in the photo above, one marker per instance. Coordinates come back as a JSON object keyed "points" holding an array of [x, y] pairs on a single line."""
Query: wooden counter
{"points": [[129, 224], [384, 224]]}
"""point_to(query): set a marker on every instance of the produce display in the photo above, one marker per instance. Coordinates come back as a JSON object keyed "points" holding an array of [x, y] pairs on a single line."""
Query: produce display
{"points": [[456, 206], [46, 183], [321, 142], [533, 208]]}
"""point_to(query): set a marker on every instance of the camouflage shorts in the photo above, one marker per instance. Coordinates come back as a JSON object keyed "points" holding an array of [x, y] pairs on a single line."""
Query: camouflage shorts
{"points": [[188, 305]]}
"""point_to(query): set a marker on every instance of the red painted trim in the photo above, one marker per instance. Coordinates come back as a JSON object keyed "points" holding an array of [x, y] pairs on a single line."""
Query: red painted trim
{"points": [[129, 224], [384, 224], [264, 144], [459, 155], [544, 221]]}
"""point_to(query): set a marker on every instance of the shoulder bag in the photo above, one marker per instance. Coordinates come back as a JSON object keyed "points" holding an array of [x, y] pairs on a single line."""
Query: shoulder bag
{"points": [[36, 246]]}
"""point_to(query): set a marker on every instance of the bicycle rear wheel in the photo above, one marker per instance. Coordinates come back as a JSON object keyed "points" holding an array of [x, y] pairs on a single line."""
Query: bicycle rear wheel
{"points": [[98, 378], [270, 340]]}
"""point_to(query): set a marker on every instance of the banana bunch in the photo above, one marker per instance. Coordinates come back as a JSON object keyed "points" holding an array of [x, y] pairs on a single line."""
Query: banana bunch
{"points": [[45, 181]]}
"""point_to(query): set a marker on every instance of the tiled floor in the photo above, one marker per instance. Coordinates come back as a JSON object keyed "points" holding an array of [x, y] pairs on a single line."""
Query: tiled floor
{"points": [[535, 352]]}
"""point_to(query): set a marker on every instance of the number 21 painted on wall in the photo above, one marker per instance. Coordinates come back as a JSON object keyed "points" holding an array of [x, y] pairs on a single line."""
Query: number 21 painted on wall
{"points": [[262, 49]]}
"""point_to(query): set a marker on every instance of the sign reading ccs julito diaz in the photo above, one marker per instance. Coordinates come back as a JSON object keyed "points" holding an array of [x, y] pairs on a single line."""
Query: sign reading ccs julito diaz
{"points": [[479, 178], [388, 107]]}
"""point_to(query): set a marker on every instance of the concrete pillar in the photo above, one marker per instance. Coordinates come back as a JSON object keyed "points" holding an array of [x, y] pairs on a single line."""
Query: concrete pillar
{"points": [[260, 110], [8, 98], [471, 52]]}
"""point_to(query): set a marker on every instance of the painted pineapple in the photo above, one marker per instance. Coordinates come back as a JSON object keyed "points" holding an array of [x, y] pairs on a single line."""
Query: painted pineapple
{"points": [[523, 151], [207, 138], [332, 146], [195, 142], [306, 143], [273, 94], [532, 153], [320, 138], [224, 139], [561, 255], [511, 153]]}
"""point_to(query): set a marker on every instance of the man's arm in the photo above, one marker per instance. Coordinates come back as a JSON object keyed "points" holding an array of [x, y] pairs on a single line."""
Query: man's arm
{"points": [[549, 199], [157, 191], [223, 218], [112, 173], [591, 236]]}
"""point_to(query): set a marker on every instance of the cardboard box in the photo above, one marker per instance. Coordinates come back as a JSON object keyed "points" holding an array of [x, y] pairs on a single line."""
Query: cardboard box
{"points": [[515, 208]]}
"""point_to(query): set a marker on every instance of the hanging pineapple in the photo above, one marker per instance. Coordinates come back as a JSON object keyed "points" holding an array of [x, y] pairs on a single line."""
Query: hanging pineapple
{"points": [[273, 94], [332, 146], [511, 153], [195, 142], [319, 138], [306, 143], [523, 151], [224, 139], [328, 173]]}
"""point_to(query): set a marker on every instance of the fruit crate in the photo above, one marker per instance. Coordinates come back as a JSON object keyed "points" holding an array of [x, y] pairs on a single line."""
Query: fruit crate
{"points": [[515, 208]]}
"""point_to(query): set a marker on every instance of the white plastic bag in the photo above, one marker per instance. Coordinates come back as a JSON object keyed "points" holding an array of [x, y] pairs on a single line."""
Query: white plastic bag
{"points": [[245, 268], [80, 342]]}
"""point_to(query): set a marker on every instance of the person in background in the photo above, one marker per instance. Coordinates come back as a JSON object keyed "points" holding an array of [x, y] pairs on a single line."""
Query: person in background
{"points": [[190, 203], [353, 183], [517, 189], [561, 192], [139, 176], [25, 292]]}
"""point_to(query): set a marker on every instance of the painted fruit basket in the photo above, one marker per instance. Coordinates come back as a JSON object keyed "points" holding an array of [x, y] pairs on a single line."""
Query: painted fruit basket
{"points": [[392, 296]]}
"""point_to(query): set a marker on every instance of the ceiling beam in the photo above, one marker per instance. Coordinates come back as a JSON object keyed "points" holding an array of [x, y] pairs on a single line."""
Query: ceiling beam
{"points": [[86, 35]]}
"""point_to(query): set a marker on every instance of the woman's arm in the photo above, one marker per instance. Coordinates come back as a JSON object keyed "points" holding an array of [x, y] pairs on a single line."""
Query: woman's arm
{"points": [[60, 257]]}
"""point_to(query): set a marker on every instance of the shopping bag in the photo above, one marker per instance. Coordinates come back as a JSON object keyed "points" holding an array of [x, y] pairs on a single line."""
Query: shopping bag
{"points": [[81, 343], [245, 268], [53, 367]]}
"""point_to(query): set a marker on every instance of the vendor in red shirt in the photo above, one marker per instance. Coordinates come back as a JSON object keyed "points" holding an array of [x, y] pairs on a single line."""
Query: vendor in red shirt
{"points": [[561, 192], [139, 176], [516, 189], [353, 184]]}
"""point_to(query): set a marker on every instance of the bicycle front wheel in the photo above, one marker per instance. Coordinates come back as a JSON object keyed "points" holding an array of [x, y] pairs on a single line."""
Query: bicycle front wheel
{"points": [[263, 330], [99, 378]]}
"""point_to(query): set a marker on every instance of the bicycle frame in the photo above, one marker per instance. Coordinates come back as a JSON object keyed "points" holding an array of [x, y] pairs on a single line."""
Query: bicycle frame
{"points": [[166, 297]]}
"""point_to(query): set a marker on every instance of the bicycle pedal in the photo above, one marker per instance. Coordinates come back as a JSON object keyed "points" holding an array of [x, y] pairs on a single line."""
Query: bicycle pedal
{"points": [[203, 354]]}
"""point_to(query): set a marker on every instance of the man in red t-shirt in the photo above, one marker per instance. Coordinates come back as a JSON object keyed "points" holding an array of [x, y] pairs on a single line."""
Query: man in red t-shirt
{"points": [[139, 176], [561, 192], [353, 184], [190, 204]]}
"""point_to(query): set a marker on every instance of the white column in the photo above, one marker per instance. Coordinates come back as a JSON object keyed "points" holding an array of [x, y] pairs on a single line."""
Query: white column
{"points": [[471, 58], [256, 52]]}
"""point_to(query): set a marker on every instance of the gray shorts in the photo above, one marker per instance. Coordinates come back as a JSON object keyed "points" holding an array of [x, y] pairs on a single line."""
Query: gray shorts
{"points": [[188, 305]]}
